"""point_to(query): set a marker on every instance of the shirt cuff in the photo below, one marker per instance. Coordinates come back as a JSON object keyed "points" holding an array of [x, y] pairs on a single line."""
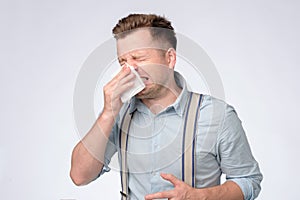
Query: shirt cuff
{"points": [[104, 169], [245, 186]]}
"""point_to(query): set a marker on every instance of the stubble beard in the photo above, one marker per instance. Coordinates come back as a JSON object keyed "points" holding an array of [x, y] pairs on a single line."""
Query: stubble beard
{"points": [[151, 92]]}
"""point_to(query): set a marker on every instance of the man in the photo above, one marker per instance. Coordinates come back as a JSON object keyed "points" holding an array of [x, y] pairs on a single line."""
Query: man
{"points": [[154, 150]]}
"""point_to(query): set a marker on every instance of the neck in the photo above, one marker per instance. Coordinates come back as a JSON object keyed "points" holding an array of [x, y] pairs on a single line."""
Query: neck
{"points": [[167, 97]]}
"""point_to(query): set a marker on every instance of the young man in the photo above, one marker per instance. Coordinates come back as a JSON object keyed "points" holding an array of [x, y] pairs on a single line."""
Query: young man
{"points": [[154, 147]]}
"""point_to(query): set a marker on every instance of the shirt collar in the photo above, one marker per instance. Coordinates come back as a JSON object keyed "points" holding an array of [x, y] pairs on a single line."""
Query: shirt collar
{"points": [[178, 105]]}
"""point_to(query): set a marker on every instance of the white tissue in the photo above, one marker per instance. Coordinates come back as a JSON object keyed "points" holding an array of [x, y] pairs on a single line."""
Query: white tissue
{"points": [[136, 88]]}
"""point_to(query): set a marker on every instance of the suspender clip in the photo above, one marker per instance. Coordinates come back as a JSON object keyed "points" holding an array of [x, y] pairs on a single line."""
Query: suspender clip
{"points": [[123, 194]]}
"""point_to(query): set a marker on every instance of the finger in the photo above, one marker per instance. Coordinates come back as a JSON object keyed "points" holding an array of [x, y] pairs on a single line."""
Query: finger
{"points": [[123, 72], [170, 177], [125, 84], [122, 88], [120, 75], [120, 80], [127, 79], [160, 195]]}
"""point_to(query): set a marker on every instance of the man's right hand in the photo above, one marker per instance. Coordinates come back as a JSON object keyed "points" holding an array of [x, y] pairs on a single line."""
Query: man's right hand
{"points": [[113, 90]]}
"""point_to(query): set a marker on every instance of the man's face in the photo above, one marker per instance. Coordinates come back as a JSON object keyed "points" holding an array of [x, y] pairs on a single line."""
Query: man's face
{"points": [[150, 61]]}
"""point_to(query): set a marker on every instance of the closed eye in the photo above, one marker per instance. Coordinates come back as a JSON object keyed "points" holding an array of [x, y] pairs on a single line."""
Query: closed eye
{"points": [[138, 58]]}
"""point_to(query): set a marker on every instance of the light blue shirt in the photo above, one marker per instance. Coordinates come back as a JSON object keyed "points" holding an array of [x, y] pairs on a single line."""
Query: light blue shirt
{"points": [[155, 146]]}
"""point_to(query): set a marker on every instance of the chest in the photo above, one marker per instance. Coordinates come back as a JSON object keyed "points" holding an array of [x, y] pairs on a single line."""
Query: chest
{"points": [[154, 142]]}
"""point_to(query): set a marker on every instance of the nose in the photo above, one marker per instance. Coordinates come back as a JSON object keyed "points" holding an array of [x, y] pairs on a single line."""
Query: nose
{"points": [[134, 65]]}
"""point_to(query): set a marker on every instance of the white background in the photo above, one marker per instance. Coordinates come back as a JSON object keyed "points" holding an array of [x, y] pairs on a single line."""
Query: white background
{"points": [[254, 45]]}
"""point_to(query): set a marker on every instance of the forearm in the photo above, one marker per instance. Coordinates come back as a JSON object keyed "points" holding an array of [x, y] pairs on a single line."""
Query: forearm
{"points": [[227, 191], [88, 154]]}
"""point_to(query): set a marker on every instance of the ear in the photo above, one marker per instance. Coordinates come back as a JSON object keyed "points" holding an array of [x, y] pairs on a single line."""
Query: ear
{"points": [[171, 57]]}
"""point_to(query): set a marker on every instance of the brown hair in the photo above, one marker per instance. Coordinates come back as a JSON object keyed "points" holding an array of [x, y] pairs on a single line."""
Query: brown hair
{"points": [[160, 28]]}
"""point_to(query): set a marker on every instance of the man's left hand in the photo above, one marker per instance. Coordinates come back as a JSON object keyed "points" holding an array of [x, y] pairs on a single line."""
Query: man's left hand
{"points": [[181, 190]]}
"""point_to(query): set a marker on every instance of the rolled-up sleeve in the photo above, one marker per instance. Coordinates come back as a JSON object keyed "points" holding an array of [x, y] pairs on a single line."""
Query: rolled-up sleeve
{"points": [[110, 150], [235, 156]]}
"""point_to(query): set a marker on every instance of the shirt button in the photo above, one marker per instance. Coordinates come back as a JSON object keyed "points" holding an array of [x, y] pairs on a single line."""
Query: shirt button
{"points": [[154, 173]]}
